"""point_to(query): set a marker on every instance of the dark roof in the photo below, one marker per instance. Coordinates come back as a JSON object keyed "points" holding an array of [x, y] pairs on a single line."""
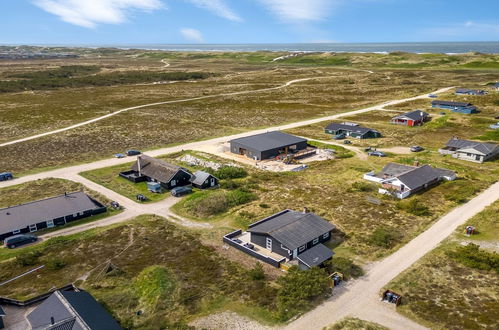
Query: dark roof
{"points": [[419, 176], [485, 148], [414, 115], [23, 215], [394, 169], [292, 229], [451, 103], [315, 255], [467, 90], [156, 169], [66, 306], [269, 140], [351, 128], [200, 177]]}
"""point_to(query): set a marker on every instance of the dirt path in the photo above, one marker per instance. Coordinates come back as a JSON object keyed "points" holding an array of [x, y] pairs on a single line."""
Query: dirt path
{"points": [[94, 120], [361, 298], [362, 155]]}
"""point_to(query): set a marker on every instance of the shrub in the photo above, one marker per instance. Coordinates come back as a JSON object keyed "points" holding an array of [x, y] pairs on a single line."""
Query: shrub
{"points": [[231, 172], [239, 197], [345, 266], [56, 263], [257, 273], [471, 256], [385, 237], [298, 288], [229, 184], [414, 206], [155, 285], [28, 258], [363, 186], [462, 194]]}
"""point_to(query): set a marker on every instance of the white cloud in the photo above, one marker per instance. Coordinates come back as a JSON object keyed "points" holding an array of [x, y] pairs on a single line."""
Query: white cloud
{"points": [[192, 35], [299, 10], [467, 29], [89, 13], [217, 7]]}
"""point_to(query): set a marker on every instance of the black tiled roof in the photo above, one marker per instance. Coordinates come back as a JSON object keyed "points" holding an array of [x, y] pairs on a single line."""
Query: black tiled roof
{"points": [[485, 148], [315, 255], [293, 229], [351, 128], [269, 140], [23, 215]]}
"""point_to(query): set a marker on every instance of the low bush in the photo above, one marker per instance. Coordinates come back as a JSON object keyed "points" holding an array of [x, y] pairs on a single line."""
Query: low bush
{"points": [[155, 285], [231, 172], [462, 194], [384, 237], [229, 184], [257, 273], [298, 289], [414, 206], [56, 263], [363, 186], [472, 256], [205, 204], [345, 266], [28, 258]]}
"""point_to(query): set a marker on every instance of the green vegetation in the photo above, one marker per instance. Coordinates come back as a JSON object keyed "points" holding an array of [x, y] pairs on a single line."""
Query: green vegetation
{"points": [[155, 285], [345, 266], [455, 286], [385, 237], [482, 65], [352, 323], [472, 256], [230, 172], [299, 289], [83, 76], [210, 203], [414, 206]]}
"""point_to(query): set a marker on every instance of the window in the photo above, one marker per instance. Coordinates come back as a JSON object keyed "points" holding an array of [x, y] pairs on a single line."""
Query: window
{"points": [[315, 241], [50, 224], [268, 243], [32, 228], [326, 235], [302, 248], [173, 183], [16, 231]]}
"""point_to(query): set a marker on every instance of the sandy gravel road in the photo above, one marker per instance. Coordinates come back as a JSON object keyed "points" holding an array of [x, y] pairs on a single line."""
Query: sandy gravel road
{"points": [[361, 298]]}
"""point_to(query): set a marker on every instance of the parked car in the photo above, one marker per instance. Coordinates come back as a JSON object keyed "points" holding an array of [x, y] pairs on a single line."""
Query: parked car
{"points": [[119, 155], [432, 95], [347, 142], [495, 126], [6, 176], [18, 240], [181, 191], [377, 153], [133, 152], [416, 148], [141, 197]]}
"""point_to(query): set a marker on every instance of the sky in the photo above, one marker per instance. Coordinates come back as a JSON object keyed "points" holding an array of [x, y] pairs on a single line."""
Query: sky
{"points": [[128, 22]]}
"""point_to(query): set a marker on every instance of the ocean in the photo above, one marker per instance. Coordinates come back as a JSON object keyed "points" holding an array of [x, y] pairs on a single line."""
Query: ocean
{"points": [[410, 47]]}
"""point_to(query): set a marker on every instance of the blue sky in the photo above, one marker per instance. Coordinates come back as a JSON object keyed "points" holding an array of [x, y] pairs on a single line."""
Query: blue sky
{"points": [[245, 21]]}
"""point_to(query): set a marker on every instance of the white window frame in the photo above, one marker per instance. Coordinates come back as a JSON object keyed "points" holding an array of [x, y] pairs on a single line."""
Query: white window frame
{"points": [[50, 224], [268, 243], [17, 231], [173, 183], [302, 248], [326, 235], [31, 230], [315, 241]]}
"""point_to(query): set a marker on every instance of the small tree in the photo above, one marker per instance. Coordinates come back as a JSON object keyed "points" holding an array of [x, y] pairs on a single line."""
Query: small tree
{"points": [[257, 273]]}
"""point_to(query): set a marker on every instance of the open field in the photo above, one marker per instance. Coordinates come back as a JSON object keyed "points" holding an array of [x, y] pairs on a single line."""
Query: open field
{"points": [[442, 292], [31, 112]]}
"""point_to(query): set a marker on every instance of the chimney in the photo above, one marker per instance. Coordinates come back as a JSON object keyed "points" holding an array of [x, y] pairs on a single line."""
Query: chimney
{"points": [[52, 320], [305, 210], [416, 163]]}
